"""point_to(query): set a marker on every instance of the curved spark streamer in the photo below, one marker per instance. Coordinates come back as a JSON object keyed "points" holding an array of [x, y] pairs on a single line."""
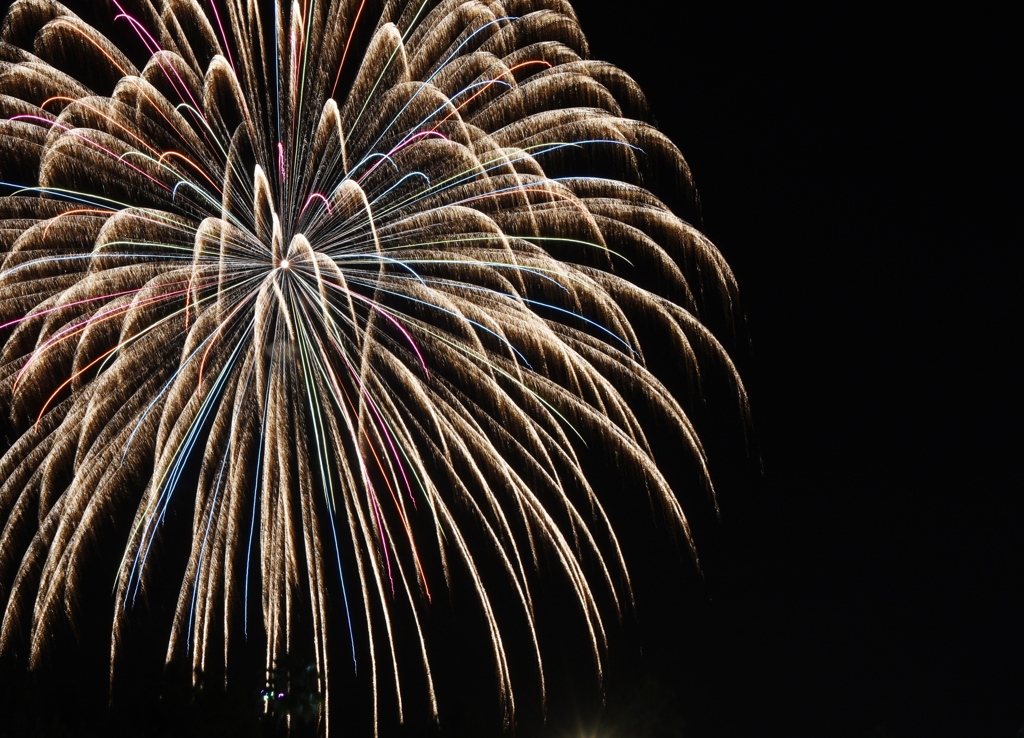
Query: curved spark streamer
{"points": [[317, 196], [415, 383]]}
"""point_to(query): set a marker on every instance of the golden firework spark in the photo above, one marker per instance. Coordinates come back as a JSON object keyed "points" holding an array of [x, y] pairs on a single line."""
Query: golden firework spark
{"points": [[359, 304]]}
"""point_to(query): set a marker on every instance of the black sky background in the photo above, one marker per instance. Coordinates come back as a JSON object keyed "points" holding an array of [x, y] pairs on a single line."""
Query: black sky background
{"points": [[867, 576], [854, 166]]}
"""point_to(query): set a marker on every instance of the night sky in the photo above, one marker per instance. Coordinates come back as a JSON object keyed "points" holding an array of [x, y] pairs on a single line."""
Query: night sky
{"points": [[853, 165], [866, 577]]}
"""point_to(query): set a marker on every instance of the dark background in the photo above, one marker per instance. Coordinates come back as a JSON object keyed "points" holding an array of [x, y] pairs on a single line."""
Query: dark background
{"points": [[867, 576], [854, 166]]}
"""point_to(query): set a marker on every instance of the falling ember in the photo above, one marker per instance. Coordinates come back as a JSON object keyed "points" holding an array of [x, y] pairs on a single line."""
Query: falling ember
{"points": [[477, 279]]}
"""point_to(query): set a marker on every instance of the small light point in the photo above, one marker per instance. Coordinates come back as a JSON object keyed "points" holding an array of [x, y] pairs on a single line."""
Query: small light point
{"points": [[285, 264]]}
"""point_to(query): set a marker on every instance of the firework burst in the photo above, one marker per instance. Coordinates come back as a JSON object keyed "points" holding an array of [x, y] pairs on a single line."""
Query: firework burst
{"points": [[356, 285]]}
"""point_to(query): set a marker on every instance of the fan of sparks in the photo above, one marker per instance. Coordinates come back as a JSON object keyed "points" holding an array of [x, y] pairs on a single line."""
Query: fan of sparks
{"points": [[345, 282]]}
